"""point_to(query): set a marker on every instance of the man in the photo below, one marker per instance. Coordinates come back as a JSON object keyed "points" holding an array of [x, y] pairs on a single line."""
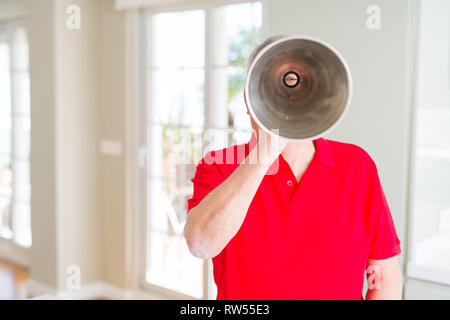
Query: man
{"points": [[308, 230]]}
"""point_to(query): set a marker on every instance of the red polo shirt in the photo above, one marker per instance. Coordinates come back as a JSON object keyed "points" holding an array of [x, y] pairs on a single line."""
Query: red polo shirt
{"points": [[306, 240]]}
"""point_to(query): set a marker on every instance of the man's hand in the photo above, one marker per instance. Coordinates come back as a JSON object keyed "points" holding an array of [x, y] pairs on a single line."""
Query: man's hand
{"points": [[269, 147], [384, 279]]}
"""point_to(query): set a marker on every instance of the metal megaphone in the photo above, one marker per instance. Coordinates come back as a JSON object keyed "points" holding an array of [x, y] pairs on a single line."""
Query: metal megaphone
{"points": [[299, 85]]}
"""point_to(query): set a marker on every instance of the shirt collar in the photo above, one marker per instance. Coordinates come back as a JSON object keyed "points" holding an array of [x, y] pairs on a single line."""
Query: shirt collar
{"points": [[323, 152]]}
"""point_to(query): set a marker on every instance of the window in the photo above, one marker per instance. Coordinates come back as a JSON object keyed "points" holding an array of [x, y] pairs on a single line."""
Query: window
{"points": [[14, 135], [430, 200], [196, 67]]}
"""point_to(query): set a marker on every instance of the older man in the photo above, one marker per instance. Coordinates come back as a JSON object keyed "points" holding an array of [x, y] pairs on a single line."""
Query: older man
{"points": [[309, 230]]}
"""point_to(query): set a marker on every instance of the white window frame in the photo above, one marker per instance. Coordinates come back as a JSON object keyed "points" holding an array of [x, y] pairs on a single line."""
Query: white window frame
{"points": [[141, 106], [9, 248]]}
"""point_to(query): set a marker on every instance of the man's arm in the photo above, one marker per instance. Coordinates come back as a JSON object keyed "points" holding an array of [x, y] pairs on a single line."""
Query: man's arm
{"points": [[218, 217], [384, 279]]}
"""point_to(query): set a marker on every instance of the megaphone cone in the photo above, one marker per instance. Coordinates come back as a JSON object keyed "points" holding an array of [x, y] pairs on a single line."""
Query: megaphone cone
{"points": [[298, 85]]}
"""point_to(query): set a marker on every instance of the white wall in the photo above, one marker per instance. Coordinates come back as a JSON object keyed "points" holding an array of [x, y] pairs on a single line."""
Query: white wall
{"points": [[43, 256], [77, 133], [112, 127], [65, 106], [12, 9], [78, 97]]}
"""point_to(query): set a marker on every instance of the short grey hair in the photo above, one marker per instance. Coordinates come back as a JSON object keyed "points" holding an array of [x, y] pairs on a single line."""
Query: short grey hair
{"points": [[264, 44]]}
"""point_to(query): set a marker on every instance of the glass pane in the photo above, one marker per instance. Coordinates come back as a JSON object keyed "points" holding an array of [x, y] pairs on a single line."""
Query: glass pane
{"points": [[178, 39], [166, 40], [176, 120], [21, 99], [5, 139], [22, 136], [22, 223], [180, 148], [5, 218], [238, 117], [168, 210], [20, 48], [171, 265], [6, 177], [4, 57], [21, 180], [5, 81], [175, 151], [241, 137], [193, 39], [178, 97], [169, 262], [243, 26], [5, 197], [238, 39], [169, 207]]}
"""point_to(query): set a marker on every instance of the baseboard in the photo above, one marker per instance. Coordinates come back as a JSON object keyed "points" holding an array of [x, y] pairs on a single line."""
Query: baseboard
{"points": [[94, 290]]}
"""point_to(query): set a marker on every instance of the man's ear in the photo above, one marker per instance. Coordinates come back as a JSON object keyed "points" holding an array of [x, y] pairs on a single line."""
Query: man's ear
{"points": [[246, 105]]}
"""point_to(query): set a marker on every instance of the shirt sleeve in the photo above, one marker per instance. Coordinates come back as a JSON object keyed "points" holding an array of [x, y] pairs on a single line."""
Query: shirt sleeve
{"points": [[384, 240], [207, 177]]}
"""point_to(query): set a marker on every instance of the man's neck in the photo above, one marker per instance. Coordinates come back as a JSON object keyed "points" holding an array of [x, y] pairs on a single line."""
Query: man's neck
{"points": [[298, 155]]}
